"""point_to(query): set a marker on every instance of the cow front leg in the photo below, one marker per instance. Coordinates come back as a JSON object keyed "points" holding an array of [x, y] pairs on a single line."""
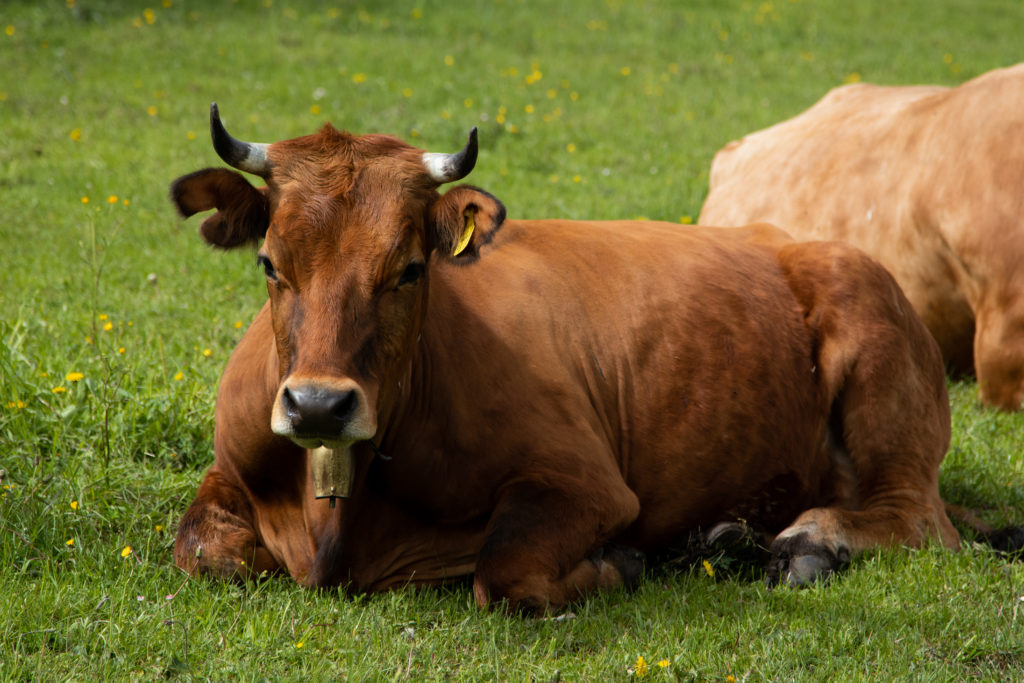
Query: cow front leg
{"points": [[216, 536], [547, 548]]}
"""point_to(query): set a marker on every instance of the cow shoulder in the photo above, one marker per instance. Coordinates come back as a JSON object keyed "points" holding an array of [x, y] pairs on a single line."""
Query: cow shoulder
{"points": [[243, 211]]}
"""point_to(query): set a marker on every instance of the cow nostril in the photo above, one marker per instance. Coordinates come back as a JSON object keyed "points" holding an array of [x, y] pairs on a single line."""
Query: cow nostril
{"points": [[289, 403], [344, 405]]}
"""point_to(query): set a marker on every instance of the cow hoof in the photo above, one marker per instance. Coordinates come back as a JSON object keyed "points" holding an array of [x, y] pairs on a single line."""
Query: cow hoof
{"points": [[727, 534], [796, 561], [1009, 540], [629, 562]]}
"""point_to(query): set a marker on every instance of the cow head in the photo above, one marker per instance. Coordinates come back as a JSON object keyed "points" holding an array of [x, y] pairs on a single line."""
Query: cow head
{"points": [[348, 225]]}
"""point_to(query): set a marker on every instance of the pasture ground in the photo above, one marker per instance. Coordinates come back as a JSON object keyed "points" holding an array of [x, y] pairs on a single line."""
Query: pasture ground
{"points": [[116, 321]]}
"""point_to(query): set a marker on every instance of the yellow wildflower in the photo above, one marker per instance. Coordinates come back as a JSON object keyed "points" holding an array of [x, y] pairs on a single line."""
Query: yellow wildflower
{"points": [[852, 78], [708, 568], [159, 528], [127, 551], [178, 376], [85, 200], [121, 349], [69, 542], [298, 645], [74, 505], [315, 109], [59, 390], [149, 15], [238, 324], [640, 668], [191, 135], [112, 199], [9, 30], [686, 220], [359, 78], [625, 71], [570, 148], [74, 377], [151, 110], [663, 664], [207, 353], [449, 60], [109, 326], [75, 134]]}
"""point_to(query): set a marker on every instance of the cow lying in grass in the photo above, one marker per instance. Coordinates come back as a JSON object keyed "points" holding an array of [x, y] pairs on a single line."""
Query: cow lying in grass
{"points": [[533, 402]]}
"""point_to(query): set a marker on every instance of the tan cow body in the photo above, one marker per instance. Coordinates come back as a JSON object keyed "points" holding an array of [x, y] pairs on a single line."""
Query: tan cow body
{"points": [[927, 180], [556, 393]]}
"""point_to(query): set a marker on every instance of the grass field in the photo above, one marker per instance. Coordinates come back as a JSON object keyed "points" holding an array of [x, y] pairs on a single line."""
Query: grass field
{"points": [[116, 321]]}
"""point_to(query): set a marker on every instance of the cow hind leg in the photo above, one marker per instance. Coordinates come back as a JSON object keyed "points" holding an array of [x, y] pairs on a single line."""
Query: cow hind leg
{"points": [[547, 548]]}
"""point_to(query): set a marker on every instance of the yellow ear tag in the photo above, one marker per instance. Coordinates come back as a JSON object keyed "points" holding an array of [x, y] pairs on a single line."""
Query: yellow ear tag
{"points": [[466, 234]]}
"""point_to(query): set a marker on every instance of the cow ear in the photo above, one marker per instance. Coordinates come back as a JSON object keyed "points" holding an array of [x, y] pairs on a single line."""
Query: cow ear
{"points": [[463, 220], [243, 212]]}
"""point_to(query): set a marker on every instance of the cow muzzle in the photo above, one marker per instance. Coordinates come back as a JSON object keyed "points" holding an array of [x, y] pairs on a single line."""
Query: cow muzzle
{"points": [[316, 412]]}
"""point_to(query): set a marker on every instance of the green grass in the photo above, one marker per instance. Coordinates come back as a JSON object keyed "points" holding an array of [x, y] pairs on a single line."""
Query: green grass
{"points": [[629, 101]]}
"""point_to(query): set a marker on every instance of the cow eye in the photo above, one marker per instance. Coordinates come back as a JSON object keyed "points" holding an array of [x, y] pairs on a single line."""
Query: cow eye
{"points": [[268, 267], [412, 273]]}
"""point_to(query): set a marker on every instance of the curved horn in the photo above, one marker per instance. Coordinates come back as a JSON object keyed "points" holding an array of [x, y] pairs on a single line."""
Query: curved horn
{"points": [[445, 168], [250, 157]]}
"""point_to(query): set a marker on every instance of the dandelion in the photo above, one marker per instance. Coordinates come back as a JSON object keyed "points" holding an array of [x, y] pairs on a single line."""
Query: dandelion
{"points": [[158, 528], [149, 15], [468, 102], [74, 505], [103, 316], [663, 664], [74, 377], [9, 30], [528, 109], [552, 93], [708, 568], [852, 78], [238, 324], [85, 200], [359, 78], [640, 668], [112, 199], [315, 109], [730, 679], [298, 645], [151, 110], [570, 148], [574, 96], [75, 134], [121, 350], [686, 220], [449, 60], [70, 542], [126, 202], [407, 92], [127, 551], [109, 326], [59, 390], [166, 3], [88, 340], [18, 405], [947, 58], [625, 71], [416, 13], [207, 353], [576, 179], [178, 376]]}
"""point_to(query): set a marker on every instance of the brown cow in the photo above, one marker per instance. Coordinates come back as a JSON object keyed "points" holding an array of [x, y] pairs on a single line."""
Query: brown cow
{"points": [[530, 401], [928, 181]]}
